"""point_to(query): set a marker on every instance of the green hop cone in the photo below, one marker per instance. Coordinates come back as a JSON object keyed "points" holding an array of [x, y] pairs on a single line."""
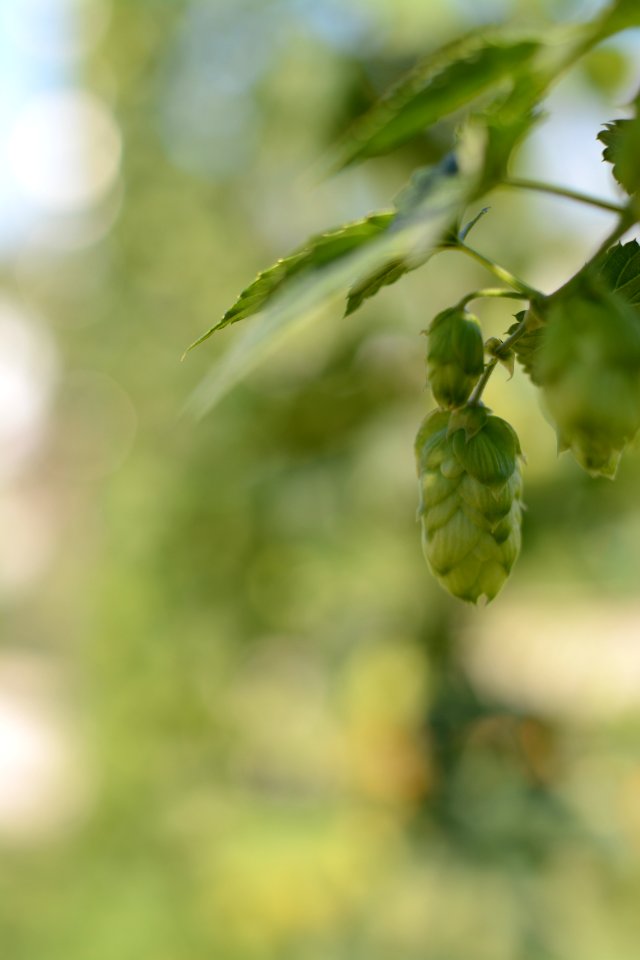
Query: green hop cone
{"points": [[527, 347], [455, 356], [470, 500], [589, 365]]}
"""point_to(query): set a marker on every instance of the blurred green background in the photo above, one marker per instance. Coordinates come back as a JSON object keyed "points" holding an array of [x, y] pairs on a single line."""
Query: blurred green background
{"points": [[238, 718]]}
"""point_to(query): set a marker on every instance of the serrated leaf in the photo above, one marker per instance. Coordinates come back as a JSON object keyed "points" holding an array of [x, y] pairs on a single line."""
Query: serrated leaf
{"points": [[387, 274], [423, 181], [314, 255], [620, 271], [453, 77], [621, 139], [306, 294]]}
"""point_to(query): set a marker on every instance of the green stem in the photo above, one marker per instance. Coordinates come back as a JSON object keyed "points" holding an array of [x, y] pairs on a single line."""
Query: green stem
{"points": [[627, 218], [540, 187], [490, 292], [476, 396], [530, 293], [626, 221]]}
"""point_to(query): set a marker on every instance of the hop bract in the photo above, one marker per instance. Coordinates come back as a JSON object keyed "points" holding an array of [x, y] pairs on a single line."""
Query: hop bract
{"points": [[589, 366], [470, 500], [455, 356]]}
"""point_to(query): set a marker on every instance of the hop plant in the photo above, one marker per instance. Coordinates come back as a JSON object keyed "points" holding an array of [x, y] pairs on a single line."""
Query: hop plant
{"points": [[579, 345], [589, 366], [470, 500], [455, 356]]}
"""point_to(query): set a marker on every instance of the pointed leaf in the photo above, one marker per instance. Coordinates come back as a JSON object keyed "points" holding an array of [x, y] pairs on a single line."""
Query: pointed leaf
{"points": [[453, 77], [383, 277], [317, 252], [409, 201], [303, 297]]}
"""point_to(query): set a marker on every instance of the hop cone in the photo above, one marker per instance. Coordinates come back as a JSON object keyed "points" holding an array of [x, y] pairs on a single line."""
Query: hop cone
{"points": [[455, 356], [470, 500], [589, 366]]}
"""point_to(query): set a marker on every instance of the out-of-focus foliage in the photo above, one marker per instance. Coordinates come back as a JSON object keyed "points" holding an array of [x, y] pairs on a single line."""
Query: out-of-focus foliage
{"points": [[237, 719]]}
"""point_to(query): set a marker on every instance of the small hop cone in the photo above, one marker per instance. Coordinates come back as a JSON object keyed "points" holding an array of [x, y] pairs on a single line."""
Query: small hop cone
{"points": [[527, 347], [470, 500], [590, 370], [455, 356]]}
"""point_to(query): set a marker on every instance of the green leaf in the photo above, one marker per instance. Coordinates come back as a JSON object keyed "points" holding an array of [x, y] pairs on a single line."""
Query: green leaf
{"points": [[308, 293], [314, 255], [468, 227], [620, 271], [423, 181], [384, 277], [621, 139], [620, 15], [507, 122], [453, 77]]}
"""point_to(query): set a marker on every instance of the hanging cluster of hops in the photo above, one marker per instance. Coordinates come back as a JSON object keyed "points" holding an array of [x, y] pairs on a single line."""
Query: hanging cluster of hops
{"points": [[581, 346], [470, 500], [468, 467], [589, 368]]}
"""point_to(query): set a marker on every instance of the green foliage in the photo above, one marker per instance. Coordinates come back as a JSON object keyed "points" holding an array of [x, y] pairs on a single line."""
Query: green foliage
{"points": [[452, 78], [315, 254], [620, 15], [581, 345]]}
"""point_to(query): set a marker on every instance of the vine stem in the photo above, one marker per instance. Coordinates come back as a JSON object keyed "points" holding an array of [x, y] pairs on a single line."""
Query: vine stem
{"points": [[566, 192], [476, 396], [529, 293], [506, 345], [627, 219], [492, 292]]}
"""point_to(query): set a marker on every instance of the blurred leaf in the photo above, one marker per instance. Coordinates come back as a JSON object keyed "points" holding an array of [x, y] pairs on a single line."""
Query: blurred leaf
{"points": [[385, 276], [422, 182], [507, 122], [468, 227], [621, 15], [410, 241], [452, 77], [315, 254]]}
